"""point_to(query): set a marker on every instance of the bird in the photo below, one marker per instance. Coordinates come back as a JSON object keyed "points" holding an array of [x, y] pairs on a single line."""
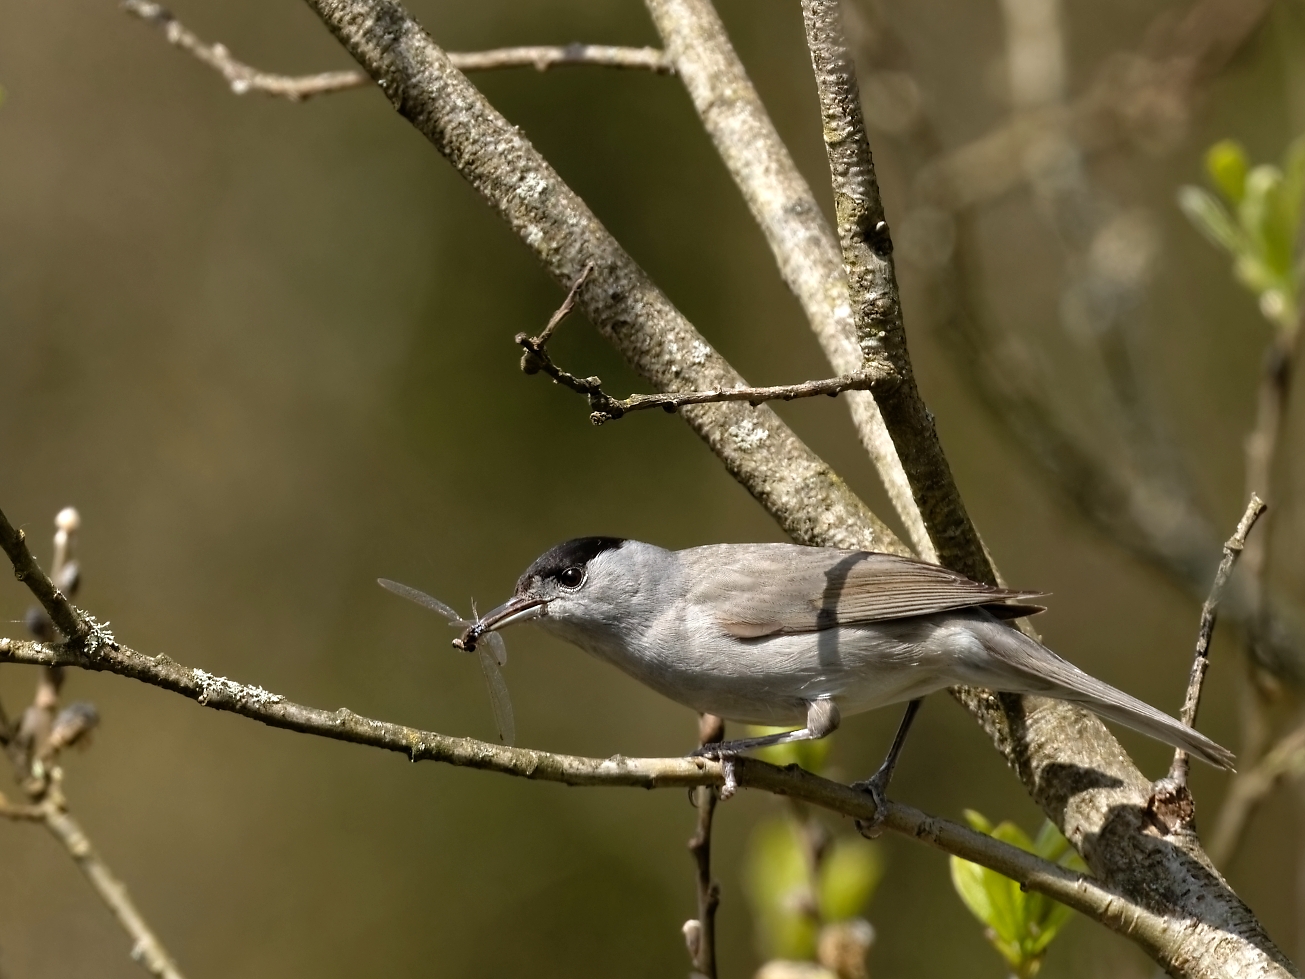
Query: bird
{"points": [[799, 636]]}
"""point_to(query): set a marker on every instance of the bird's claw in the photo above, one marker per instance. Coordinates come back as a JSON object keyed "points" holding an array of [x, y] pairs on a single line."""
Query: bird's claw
{"points": [[872, 828], [713, 752], [722, 754]]}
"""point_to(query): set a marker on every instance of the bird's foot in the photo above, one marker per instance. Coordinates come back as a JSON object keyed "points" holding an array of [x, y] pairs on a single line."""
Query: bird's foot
{"points": [[723, 752], [874, 787]]}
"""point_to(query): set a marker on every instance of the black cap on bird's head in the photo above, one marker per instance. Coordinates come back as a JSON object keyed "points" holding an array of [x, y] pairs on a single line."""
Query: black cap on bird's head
{"points": [[558, 570]]}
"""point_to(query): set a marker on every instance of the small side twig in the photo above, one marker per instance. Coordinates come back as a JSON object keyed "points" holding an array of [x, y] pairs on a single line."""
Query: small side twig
{"points": [[65, 616], [1209, 613], [700, 932], [874, 376], [244, 78]]}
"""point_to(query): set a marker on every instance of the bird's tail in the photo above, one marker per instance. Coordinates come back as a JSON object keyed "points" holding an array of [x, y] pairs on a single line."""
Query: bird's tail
{"points": [[1032, 668]]}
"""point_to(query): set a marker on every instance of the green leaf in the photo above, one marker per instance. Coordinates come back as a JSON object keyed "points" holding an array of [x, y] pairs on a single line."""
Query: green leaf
{"points": [[778, 888], [849, 874], [1019, 924], [1212, 219], [1265, 218], [1226, 163], [978, 822]]}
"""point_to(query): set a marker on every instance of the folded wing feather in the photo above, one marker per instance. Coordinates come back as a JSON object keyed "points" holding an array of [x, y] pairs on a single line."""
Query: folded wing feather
{"points": [[786, 588]]}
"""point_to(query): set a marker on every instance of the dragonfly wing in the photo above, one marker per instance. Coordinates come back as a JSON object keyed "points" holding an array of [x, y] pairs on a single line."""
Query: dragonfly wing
{"points": [[498, 699], [496, 646], [421, 598]]}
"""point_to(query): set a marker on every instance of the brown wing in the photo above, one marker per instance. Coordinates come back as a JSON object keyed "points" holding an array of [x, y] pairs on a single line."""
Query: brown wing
{"points": [[766, 589]]}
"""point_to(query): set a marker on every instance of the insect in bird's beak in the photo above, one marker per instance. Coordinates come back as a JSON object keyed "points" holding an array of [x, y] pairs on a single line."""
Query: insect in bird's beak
{"points": [[512, 611]]}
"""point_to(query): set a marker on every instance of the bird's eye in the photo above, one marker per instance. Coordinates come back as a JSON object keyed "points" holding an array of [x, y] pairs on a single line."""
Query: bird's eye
{"points": [[571, 578]]}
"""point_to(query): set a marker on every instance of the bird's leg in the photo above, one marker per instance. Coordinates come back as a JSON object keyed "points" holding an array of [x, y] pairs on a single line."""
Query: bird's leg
{"points": [[822, 720], [877, 784]]}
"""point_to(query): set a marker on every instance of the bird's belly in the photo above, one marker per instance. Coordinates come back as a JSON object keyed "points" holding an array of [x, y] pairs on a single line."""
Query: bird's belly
{"points": [[770, 680]]}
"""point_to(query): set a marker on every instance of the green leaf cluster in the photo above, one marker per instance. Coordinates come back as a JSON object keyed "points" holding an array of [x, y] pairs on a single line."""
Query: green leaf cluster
{"points": [[789, 906], [1020, 924], [1256, 218]]}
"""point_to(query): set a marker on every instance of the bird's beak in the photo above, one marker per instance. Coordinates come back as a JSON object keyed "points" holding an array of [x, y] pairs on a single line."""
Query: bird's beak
{"points": [[512, 611]]}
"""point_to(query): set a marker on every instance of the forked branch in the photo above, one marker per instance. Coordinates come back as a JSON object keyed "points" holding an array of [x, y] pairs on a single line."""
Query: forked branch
{"points": [[34, 744], [875, 376]]}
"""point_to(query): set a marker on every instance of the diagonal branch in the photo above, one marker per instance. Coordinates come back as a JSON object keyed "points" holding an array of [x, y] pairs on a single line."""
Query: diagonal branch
{"points": [[65, 616], [146, 949], [786, 210], [797, 487], [1140, 97], [1209, 614], [1249, 788], [876, 305], [245, 78]]}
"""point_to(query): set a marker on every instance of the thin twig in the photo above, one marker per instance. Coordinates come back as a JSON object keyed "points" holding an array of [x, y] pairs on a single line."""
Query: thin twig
{"points": [[244, 78], [1265, 771], [700, 933], [1209, 613], [146, 947], [876, 376], [543, 57], [61, 611]]}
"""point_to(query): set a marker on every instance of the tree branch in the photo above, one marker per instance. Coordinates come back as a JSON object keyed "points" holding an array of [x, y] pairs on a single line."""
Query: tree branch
{"points": [[1071, 765], [604, 408], [787, 478], [1136, 504], [147, 949], [64, 615], [1209, 613], [243, 78], [1152, 930], [876, 305], [35, 746], [700, 932], [786, 210], [1140, 97], [1067, 759]]}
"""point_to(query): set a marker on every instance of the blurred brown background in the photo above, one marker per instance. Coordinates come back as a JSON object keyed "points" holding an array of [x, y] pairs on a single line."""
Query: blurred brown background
{"points": [[266, 350]]}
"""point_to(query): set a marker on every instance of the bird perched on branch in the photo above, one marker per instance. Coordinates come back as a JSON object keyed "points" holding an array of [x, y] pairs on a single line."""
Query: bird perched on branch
{"points": [[782, 634]]}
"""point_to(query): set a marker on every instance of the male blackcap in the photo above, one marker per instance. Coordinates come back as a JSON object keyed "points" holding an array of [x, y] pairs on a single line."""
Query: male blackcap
{"points": [[783, 634]]}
